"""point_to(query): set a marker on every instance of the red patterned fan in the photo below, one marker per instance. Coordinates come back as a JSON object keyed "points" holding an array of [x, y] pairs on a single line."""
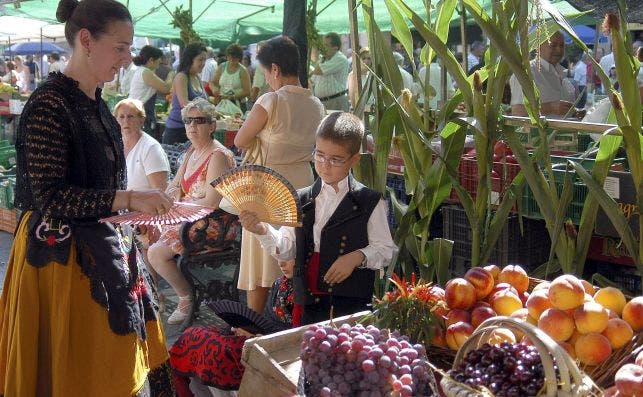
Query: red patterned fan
{"points": [[180, 212]]}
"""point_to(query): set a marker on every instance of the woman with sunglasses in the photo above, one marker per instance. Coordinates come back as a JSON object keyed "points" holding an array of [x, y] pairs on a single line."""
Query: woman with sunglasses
{"points": [[280, 130], [205, 161]]}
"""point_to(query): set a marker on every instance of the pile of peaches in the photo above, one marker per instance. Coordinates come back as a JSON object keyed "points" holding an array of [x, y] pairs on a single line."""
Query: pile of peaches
{"points": [[588, 323]]}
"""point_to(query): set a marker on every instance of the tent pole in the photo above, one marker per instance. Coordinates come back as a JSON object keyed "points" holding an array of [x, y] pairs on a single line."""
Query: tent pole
{"points": [[354, 39]]}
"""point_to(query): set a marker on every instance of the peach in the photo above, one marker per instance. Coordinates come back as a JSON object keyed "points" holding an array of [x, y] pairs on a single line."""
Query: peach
{"points": [[460, 294], [589, 288], [610, 298], [590, 317], [618, 332], [516, 276], [480, 304], [505, 302], [639, 358], [494, 270], [566, 292], [481, 279], [569, 348], [457, 334], [523, 297], [592, 348], [557, 324], [544, 285], [612, 392], [523, 315], [611, 313], [538, 302], [633, 313], [588, 298], [501, 287], [481, 313], [629, 380], [499, 335], [572, 339], [456, 315]]}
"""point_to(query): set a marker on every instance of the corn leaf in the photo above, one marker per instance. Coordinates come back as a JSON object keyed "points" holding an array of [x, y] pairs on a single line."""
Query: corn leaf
{"points": [[440, 251]]}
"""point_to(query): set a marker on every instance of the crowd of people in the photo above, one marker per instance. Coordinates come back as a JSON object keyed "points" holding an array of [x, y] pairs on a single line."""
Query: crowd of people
{"points": [[77, 290]]}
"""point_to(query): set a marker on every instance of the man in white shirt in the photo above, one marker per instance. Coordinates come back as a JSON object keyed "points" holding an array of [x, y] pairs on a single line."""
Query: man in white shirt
{"points": [[556, 93], [56, 64], [580, 79], [331, 75], [606, 63], [407, 78], [435, 82], [210, 67], [474, 56]]}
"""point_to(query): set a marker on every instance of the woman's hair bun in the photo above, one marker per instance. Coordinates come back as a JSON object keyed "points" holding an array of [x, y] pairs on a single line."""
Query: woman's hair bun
{"points": [[65, 10]]}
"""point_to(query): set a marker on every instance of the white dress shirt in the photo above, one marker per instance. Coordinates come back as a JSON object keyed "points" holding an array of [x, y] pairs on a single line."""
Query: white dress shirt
{"points": [[580, 73], [549, 80], [378, 253], [334, 77]]}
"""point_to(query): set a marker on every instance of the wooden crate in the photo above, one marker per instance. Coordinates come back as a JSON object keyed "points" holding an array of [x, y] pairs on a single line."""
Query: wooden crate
{"points": [[8, 220], [272, 363]]}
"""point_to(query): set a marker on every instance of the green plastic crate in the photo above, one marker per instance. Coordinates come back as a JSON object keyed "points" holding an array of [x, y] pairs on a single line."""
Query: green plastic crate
{"points": [[4, 197], [219, 135], [7, 157], [531, 209]]}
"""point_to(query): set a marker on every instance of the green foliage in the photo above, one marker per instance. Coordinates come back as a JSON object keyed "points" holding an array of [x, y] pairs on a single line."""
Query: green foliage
{"points": [[182, 19]]}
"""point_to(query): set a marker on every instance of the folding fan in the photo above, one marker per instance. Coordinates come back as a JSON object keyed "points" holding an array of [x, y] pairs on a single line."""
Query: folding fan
{"points": [[263, 191], [238, 315], [178, 213]]}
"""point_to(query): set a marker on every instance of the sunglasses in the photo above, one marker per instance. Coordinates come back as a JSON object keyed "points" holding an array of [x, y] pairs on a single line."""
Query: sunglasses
{"points": [[198, 120]]}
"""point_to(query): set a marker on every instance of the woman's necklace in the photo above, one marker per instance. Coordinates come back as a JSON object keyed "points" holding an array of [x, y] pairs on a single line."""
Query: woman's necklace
{"points": [[196, 157]]}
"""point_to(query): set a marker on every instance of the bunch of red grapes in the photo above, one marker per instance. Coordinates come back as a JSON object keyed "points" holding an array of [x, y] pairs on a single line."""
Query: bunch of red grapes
{"points": [[509, 370], [363, 361]]}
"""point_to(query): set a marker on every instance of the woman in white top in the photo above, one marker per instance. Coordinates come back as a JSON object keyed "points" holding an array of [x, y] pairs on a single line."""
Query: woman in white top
{"points": [[231, 80], [11, 77], [145, 83], [281, 127], [147, 164], [365, 57], [23, 75]]}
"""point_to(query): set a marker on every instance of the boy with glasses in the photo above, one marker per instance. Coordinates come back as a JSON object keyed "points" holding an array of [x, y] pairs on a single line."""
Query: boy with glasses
{"points": [[344, 238]]}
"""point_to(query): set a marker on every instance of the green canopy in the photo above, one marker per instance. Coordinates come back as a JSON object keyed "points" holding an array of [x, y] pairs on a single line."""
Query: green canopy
{"points": [[234, 20]]}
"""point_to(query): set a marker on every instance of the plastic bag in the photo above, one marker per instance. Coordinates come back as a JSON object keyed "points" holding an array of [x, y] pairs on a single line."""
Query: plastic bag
{"points": [[227, 107]]}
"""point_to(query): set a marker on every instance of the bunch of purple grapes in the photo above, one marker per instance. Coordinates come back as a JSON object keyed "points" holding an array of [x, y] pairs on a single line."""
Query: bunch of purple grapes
{"points": [[363, 361], [506, 370]]}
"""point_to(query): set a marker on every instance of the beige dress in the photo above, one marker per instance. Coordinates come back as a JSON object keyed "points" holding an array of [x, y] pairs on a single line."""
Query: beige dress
{"points": [[286, 145]]}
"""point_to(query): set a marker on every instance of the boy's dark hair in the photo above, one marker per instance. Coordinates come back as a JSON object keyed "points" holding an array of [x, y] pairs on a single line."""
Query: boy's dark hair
{"points": [[344, 129], [94, 16], [281, 51], [335, 40], [190, 52]]}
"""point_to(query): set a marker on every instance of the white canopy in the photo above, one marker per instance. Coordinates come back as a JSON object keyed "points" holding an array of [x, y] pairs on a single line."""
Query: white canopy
{"points": [[17, 29]]}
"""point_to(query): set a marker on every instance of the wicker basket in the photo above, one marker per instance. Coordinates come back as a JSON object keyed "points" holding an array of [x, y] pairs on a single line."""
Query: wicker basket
{"points": [[572, 381]]}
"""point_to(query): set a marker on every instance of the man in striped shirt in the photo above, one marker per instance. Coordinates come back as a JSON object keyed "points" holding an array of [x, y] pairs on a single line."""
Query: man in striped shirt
{"points": [[330, 76]]}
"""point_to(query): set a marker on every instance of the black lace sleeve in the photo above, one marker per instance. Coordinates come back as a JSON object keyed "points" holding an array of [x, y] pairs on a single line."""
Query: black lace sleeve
{"points": [[45, 140]]}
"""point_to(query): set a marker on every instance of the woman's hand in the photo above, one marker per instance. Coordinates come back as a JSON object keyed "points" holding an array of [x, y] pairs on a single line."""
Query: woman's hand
{"points": [[154, 202]]}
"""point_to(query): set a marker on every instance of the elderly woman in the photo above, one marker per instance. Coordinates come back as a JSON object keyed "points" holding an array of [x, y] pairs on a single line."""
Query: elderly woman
{"points": [[279, 133], [232, 80], [205, 160], [147, 164]]}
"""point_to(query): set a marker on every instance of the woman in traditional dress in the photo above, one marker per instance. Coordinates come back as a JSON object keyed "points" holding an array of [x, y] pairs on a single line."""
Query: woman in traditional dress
{"points": [[76, 314]]}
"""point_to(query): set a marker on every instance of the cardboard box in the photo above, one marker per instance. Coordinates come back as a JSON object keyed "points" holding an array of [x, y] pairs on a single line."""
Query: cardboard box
{"points": [[619, 186]]}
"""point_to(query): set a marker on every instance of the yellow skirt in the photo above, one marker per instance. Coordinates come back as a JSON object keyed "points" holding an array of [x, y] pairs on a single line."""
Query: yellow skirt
{"points": [[55, 340]]}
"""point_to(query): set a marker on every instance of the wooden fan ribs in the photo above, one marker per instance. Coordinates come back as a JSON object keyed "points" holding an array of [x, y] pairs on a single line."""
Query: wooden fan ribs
{"points": [[180, 212], [263, 191]]}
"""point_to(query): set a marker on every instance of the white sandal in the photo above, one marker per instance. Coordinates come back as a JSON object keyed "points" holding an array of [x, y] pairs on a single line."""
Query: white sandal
{"points": [[182, 311]]}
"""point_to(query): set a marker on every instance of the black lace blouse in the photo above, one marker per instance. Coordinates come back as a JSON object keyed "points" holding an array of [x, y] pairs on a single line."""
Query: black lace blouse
{"points": [[70, 153]]}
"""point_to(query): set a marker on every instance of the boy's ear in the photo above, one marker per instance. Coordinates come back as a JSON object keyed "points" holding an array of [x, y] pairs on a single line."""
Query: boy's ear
{"points": [[355, 159]]}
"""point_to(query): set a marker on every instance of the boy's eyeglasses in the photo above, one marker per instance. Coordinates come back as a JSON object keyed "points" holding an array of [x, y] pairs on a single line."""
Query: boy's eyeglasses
{"points": [[198, 120], [334, 161]]}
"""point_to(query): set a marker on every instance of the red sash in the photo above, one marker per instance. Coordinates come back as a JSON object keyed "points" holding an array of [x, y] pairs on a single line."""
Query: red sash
{"points": [[186, 184], [312, 272]]}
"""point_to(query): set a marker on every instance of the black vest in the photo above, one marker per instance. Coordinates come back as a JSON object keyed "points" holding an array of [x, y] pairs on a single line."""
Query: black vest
{"points": [[345, 232]]}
